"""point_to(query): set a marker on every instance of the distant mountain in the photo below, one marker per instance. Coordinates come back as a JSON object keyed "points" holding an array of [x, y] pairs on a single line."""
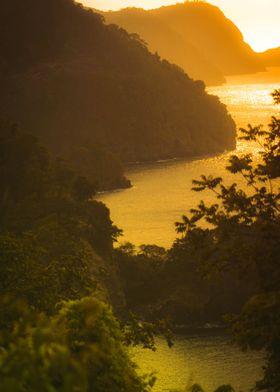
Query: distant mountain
{"points": [[195, 35], [96, 96], [271, 57], [169, 43]]}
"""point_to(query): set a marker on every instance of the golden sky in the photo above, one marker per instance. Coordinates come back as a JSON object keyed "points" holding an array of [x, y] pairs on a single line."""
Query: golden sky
{"points": [[259, 20]]}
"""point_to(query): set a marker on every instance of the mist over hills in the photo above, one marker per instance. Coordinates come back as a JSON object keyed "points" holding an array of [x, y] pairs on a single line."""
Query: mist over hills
{"points": [[161, 37], [96, 96], [271, 57], [195, 35]]}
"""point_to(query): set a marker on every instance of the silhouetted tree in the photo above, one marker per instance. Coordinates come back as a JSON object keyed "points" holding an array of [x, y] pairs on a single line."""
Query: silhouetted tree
{"points": [[243, 234]]}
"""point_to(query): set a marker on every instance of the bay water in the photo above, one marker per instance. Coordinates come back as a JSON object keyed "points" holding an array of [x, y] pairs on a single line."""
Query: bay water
{"points": [[161, 193]]}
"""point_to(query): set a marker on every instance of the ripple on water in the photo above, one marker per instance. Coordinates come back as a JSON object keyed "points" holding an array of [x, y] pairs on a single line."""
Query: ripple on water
{"points": [[147, 212], [207, 360], [162, 191]]}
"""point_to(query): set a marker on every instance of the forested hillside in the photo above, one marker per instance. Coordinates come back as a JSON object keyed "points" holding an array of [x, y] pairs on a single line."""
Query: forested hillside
{"points": [[170, 44], [96, 96], [55, 241], [56, 266], [195, 35]]}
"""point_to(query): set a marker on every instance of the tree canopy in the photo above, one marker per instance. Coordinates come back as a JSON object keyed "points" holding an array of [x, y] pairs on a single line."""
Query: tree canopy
{"points": [[79, 348], [243, 235], [96, 96], [54, 238]]}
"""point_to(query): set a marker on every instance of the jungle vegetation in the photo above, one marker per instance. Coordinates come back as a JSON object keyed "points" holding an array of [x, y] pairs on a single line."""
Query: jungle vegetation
{"points": [[96, 96], [225, 265], [60, 270]]}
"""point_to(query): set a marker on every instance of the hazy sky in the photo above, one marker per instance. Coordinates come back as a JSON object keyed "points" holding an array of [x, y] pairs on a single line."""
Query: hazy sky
{"points": [[259, 20]]}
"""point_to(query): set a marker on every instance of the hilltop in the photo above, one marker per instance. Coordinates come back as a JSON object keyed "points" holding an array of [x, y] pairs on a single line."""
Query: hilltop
{"points": [[195, 35], [161, 37], [96, 96]]}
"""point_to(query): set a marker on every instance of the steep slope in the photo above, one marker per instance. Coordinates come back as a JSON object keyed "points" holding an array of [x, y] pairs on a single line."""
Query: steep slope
{"points": [[195, 35], [95, 95], [162, 38], [217, 37], [56, 241]]}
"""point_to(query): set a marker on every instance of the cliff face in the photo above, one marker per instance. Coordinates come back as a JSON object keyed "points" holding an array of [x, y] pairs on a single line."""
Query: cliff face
{"points": [[195, 35], [96, 96]]}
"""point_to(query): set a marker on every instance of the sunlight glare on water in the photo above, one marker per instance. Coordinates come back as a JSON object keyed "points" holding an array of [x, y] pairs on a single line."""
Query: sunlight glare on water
{"points": [[161, 192], [210, 361], [147, 212]]}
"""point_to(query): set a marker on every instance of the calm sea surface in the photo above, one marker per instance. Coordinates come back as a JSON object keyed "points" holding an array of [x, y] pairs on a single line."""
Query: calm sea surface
{"points": [[210, 361], [161, 193]]}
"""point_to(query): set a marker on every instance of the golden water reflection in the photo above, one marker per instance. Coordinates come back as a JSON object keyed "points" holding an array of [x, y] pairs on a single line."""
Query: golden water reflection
{"points": [[161, 191], [209, 360]]}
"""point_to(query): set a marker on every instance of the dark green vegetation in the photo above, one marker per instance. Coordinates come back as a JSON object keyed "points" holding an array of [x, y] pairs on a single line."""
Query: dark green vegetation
{"points": [[195, 35], [79, 348], [56, 265], [57, 259], [161, 284], [244, 238], [96, 96], [54, 239], [227, 260]]}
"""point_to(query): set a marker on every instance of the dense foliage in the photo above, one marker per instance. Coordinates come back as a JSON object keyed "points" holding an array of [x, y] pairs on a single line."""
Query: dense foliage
{"points": [[56, 248], [55, 241], [96, 96], [243, 236], [79, 348], [167, 284]]}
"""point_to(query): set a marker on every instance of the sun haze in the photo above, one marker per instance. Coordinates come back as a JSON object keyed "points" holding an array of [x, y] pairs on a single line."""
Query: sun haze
{"points": [[258, 20]]}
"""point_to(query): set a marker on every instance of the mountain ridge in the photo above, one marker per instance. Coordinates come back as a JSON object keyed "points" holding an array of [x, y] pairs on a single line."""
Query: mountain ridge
{"points": [[96, 96], [202, 26]]}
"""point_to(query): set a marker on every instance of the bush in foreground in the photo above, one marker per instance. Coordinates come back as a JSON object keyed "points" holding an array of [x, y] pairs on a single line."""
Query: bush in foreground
{"points": [[80, 348]]}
